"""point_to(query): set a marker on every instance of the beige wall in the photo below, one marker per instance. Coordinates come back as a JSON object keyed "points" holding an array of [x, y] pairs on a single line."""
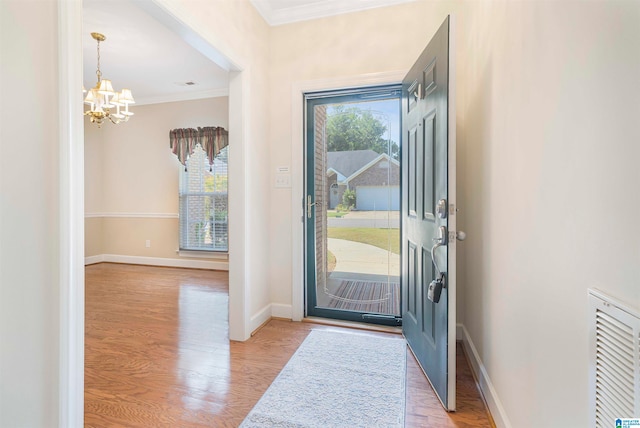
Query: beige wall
{"points": [[549, 191], [548, 151], [29, 204], [131, 178], [547, 105], [93, 189], [93, 236]]}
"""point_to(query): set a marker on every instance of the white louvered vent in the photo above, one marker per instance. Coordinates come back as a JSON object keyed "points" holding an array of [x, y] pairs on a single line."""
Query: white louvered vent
{"points": [[614, 361]]}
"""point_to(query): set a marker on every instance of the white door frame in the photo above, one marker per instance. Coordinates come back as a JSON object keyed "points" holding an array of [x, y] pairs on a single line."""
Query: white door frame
{"points": [[71, 182], [71, 227], [299, 88]]}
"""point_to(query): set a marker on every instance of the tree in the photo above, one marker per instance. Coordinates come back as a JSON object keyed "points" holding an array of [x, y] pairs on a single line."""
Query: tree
{"points": [[355, 129], [349, 198]]}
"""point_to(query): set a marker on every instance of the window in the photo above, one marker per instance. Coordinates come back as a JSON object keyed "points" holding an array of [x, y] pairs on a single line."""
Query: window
{"points": [[203, 203]]}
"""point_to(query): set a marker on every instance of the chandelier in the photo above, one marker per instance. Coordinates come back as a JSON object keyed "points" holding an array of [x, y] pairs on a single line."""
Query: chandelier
{"points": [[102, 99]]}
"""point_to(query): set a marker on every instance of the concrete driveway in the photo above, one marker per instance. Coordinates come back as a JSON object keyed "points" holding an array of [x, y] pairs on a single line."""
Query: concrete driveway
{"points": [[355, 260]]}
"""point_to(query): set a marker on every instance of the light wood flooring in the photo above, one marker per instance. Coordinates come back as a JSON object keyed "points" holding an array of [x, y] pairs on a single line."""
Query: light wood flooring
{"points": [[157, 354]]}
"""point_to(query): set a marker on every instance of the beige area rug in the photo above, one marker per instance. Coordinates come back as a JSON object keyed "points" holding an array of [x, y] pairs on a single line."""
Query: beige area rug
{"points": [[337, 380]]}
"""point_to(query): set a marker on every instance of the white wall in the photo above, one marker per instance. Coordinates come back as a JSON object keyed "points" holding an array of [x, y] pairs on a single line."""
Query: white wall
{"points": [[131, 178], [549, 191], [29, 205]]}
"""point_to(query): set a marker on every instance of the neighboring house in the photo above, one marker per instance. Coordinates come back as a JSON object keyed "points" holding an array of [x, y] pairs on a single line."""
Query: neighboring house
{"points": [[374, 177]]}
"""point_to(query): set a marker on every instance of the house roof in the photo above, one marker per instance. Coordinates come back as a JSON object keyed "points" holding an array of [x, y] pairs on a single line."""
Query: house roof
{"points": [[373, 162], [347, 162]]}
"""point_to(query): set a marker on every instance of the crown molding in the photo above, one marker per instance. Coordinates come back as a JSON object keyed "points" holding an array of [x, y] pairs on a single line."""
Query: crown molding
{"points": [[316, 10], [183, 96]]}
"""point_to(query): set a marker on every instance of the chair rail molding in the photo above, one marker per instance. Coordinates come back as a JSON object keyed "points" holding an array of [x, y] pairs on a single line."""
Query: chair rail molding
{"points": [[130, 215]]}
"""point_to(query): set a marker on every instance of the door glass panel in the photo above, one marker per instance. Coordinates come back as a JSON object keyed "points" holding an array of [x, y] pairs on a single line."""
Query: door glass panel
{"points": [[353, 175]]}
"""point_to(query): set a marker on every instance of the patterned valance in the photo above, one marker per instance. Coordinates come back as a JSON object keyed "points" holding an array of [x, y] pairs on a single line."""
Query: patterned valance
{"points": [[212, 139]]}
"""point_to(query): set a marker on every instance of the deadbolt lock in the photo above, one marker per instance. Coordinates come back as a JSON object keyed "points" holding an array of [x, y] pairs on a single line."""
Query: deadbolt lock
{"points": [[441, 208]]}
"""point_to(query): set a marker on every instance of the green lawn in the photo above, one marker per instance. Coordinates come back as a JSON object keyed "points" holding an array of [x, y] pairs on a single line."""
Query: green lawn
{"points": [[336, 214], [381, 238]]}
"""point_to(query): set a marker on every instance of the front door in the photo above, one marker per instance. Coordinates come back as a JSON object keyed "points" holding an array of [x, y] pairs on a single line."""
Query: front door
{"points": [[428, 213], [352, 219]]}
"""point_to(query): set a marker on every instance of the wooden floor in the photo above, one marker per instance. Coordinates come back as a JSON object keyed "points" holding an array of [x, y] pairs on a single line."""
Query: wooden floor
{"points": [[157, 354]]}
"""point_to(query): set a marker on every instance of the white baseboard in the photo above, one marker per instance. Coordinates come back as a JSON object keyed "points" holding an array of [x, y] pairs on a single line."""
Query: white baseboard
{"points": [[260, 318], [488, 391], [279, 310], [157, 261], [272, 310], [93, 259], [459, 331]]}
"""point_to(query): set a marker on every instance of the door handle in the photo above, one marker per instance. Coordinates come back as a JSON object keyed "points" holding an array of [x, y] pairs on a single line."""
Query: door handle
{"points": [[438, 242], [435, 287], [459, 235], [310, 205], [442, 238]]}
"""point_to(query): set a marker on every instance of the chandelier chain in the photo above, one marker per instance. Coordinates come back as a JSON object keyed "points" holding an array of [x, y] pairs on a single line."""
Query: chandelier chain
{"points": [[98, 72]]}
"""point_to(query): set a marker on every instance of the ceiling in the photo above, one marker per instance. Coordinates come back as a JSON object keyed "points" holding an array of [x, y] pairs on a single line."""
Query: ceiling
{"points": [[143, 55], [278, 12]]}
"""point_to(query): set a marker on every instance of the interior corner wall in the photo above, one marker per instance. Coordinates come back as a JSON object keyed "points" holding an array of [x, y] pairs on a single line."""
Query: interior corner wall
{"points": [[238, 32], [548, 144], [30, 286], [131, 178]]}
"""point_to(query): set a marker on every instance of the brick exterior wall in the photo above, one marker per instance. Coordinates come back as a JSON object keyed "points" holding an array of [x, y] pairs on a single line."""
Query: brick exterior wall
{"points": [[376, 175], [321, 193]]}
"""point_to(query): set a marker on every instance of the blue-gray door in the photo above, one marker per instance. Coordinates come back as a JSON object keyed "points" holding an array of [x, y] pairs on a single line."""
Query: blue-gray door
{"points": [[428, 176]]}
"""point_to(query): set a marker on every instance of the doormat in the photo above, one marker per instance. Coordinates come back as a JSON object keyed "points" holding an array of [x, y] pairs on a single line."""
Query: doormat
{"points": [[367, 296], [337, 379]]}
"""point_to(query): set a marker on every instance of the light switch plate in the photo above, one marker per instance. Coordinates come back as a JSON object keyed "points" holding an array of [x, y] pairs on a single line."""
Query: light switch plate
{"points": [[283, 180]]}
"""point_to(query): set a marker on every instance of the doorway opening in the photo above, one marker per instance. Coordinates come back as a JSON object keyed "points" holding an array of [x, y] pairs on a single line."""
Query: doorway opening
{"points": [[352, 204]]}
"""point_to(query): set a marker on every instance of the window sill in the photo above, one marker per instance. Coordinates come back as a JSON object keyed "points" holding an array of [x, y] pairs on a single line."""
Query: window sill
{"points": [[204, 254]]}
